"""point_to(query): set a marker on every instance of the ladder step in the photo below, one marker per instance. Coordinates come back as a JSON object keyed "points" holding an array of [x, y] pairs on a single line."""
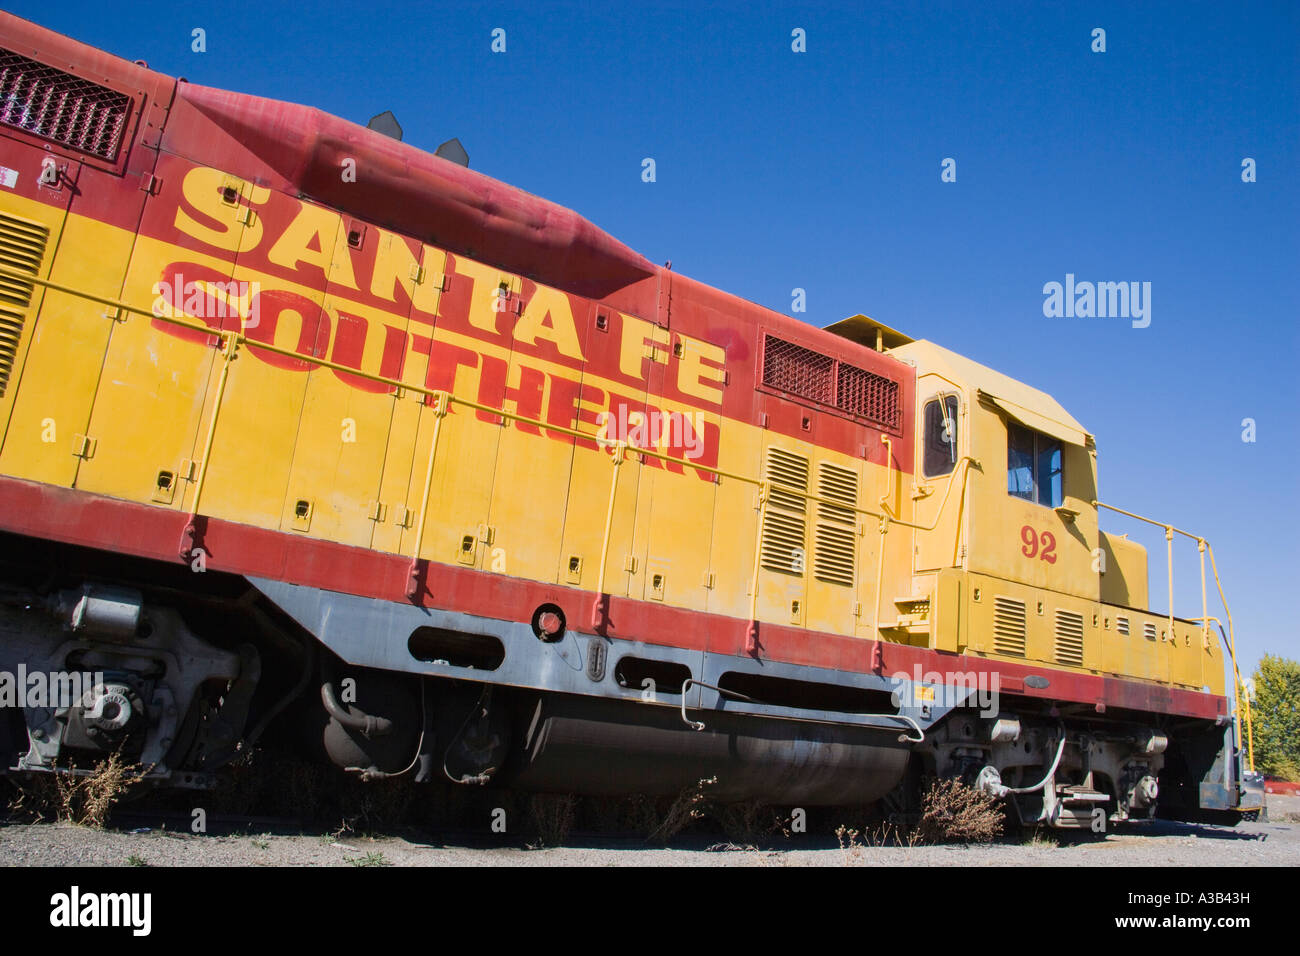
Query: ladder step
{"points": [[1069, 795]]}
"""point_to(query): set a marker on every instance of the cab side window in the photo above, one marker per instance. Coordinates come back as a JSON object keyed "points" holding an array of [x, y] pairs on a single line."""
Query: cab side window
{"points": [[939, 455], [1034, 466]]}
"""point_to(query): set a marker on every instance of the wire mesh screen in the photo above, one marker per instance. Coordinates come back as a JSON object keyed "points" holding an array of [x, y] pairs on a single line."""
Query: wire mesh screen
{"points": [[60, 107], [800, 371], [812, 375], [867, 394]]}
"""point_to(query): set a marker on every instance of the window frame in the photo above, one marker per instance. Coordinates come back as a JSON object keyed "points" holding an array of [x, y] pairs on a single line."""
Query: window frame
{"points": [[1040, 444], [924, 444]]}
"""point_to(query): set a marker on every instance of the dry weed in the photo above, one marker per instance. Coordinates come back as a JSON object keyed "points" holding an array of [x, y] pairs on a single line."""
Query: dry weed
{"points": [[685, 810], [953, 812], [551, 815], [85, 799]]}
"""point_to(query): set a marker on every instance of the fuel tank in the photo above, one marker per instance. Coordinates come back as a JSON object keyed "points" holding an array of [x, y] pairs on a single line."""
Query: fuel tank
{"points": [[617, 748]]}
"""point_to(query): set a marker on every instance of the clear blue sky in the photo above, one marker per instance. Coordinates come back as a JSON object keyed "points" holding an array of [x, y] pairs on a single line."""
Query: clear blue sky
{"points": [[821, 170]]}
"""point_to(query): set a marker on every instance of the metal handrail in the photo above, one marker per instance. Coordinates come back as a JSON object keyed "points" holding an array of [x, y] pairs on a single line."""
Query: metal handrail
{"points": [[1204, 547]]}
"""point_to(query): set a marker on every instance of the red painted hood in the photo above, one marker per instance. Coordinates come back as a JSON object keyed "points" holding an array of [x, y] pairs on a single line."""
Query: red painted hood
{"points": [[304, 151]]}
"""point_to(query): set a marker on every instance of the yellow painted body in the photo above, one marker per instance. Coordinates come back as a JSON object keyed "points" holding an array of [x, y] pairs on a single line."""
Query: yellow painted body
{"points": [[119, 405], [1082, 612]]}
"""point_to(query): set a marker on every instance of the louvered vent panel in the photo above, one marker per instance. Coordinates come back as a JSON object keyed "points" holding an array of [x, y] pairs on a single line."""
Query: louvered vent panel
{"points": [[1069, 638], [833, 559], [1149, 631], [797, 370], [834, 547], [1121, 625], [60, 107], [840, 486], [785, 518], [22, 247], [867, 394], [1009, 626]]}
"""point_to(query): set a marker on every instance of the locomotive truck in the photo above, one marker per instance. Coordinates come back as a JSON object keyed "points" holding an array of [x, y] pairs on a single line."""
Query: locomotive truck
{"points": [[301, 423]]}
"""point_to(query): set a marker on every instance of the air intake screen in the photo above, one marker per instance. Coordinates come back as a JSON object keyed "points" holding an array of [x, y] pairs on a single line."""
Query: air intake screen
{"points": [[60, 107], [785, 519], [22, 247], [799, 371], [835, 544], [1009, 626], [1069, 638], [868, 395]]}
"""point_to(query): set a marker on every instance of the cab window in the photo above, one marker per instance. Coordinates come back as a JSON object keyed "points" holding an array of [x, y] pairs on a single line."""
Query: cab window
{"points": [[1033, 466], [939, 456]]}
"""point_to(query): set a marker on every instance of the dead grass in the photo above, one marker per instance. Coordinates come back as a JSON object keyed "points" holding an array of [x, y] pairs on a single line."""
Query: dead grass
{"points": [[952, 812], [637, 814], [751, 822], [86, 800], [689, 807], [551, 816], [854, 842], [1041, 838]]}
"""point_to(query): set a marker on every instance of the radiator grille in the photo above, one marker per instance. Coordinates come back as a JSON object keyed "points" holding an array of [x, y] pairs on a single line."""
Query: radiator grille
{"points": [[785, 518], [797, 370], [22, 247], [808, 374], [1009, 626], [1069, 638], [834, 553], [60, 107], [868, 395]]}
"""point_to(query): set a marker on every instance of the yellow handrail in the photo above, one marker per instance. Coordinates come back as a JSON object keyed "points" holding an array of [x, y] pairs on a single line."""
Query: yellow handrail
{"points": [[1232, 650], [1203, 546], [230, 345], [764, 492], [440, 404], [619, 450]]}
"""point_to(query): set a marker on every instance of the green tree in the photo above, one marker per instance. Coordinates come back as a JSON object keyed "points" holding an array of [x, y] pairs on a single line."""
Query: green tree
{"points": [[1276, 714]]}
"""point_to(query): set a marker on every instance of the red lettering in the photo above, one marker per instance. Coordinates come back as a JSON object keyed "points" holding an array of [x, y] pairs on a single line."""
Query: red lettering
{"points": [[313, 328], [1031, 542], [563, 409], [444, 360], [1049, 548], [526, 397], [185, 283], [350, 345]]}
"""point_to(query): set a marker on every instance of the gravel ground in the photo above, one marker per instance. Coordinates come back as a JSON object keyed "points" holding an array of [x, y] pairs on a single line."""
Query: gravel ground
{"points": [[1161, 844]]}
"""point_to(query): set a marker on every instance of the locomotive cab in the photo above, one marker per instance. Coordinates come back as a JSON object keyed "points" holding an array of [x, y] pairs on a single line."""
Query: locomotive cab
{"points": [[1011, 567]]}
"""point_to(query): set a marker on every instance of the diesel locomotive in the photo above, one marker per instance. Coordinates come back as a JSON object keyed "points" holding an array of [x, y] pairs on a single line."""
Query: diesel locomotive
{"points": [[299, 423]]}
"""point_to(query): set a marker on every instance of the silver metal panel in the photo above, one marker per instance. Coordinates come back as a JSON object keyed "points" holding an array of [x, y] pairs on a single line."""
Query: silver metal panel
{"points": [[372, 633]]}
